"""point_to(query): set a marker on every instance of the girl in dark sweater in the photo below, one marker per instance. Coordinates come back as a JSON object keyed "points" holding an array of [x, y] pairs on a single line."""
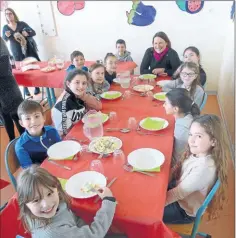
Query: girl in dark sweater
{"points": [[160, 59]]}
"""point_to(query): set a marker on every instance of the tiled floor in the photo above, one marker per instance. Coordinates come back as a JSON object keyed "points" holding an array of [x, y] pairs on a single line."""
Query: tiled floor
{"points": [[223, 227]]}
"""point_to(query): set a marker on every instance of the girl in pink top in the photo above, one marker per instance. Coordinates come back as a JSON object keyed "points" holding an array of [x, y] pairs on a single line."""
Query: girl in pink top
{"points": [[202, 164]]}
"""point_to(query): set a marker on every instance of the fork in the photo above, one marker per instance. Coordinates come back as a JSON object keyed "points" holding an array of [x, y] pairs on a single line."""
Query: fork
{"points": [[148, 133], [129, 168]]}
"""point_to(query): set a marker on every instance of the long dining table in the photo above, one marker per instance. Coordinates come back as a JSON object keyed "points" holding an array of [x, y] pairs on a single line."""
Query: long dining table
{"points": [[54, 79], [141, 198]]}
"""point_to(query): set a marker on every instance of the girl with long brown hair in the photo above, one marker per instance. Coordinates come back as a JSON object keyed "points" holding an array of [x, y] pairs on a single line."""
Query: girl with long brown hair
{"points": [[189, 79], [204, 162]]}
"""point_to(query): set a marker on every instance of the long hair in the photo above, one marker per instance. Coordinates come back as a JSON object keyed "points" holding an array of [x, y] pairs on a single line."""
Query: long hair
{"points": [[13, 12], [28, 184], [220, 154], [195, 68], [179, 97]]}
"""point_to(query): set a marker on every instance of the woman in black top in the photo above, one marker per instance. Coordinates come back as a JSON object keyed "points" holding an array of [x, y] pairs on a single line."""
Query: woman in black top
{"points": [[15, 26], [10, 95], [160, 59]]}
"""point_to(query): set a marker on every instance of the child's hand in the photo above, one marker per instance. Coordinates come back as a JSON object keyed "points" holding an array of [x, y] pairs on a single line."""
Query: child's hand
{"points": [[104, 192]]}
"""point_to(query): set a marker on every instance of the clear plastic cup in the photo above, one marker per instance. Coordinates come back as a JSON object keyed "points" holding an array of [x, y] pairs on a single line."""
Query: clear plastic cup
{"points": [[96, 165], [132, 123]]}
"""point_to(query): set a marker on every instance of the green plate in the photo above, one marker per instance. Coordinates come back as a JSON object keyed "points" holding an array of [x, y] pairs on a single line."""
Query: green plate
{"points": [[153, 123], [160, 96], [147, 76], [110, 95], [62, 182]]}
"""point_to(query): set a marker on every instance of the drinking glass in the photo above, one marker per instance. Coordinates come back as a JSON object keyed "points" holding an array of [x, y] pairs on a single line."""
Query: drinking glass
{"points": [[127, 94], [96, 165], [132, 123], [119, 155], [113, 116]]}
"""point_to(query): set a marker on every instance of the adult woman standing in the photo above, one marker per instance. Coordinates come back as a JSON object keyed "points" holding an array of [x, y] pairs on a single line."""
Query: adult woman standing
{"points": [[21, 42], [160, 59], [10, 95]]}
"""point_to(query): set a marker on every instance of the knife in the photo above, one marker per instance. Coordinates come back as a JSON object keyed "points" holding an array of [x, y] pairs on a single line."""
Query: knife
{"points": [[109, 185], [59, 165]]}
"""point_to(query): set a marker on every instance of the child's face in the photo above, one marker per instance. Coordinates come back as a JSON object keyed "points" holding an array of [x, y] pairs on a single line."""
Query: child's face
{"points": [[111, 64], [78, 62], [190, 56], [120, 48], [98, 75], [169, 108], [78, 85], [159, 44], [47, 206], [199, 141], [33, 123], [187, 76]]}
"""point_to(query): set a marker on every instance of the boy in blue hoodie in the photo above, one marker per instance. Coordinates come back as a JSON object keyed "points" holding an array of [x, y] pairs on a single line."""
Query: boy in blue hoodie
{"points": [[31, 147], [77, 61]]}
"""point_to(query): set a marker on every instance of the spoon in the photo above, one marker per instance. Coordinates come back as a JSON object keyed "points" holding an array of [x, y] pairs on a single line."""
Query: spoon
{"points": [[123, 130], [129, 168]]}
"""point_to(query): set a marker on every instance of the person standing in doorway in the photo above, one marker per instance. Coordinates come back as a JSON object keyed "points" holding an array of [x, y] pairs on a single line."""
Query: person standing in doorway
{"points": [[21, 40]]}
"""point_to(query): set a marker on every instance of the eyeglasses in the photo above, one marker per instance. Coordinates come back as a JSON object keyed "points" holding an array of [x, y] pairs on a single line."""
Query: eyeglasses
{"points": [[9, 14], [191, 75]]}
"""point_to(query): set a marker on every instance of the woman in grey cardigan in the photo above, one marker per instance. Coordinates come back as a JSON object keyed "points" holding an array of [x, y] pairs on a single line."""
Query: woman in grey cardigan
{"points": [[179, 104], [10, 95], [189, 79]]}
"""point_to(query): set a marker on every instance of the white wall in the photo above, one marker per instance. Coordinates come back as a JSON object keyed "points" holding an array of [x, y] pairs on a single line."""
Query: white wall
{"points": [[95, 29]]}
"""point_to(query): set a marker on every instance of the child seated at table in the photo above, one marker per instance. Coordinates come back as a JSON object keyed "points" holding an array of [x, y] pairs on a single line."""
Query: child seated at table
{"points": [[189, 79], [179, 104], [110, 62], [122, 54], [73, 102], [98, 84], [192, 54], [77, 61], [31, 147], [45, 208], [204, 161]]}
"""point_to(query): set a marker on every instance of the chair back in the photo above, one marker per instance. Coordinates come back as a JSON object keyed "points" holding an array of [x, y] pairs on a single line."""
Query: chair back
{"points": [[203, 207], [11, 161], [204, 101]]}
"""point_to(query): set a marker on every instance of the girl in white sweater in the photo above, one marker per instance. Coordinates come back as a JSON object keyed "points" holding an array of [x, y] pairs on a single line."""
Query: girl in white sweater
{"points": [[203, 163]]}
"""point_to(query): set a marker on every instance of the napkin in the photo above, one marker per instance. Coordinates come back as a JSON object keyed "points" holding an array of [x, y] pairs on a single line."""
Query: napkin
{"points": [[111, 96], [62, 182], [160, 96], [68, 158], [157, 169], [153, 124]]}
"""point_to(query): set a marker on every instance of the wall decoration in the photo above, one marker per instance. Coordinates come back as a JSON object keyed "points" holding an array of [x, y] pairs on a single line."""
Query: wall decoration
{"points": [[67, 8], [190, 6], [140, 14], [46, 18], [3, 5], [232, 13]]}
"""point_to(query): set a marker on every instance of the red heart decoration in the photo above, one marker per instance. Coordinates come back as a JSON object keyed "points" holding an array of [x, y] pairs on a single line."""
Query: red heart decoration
{"points": [[66, 8], [79, 5]]}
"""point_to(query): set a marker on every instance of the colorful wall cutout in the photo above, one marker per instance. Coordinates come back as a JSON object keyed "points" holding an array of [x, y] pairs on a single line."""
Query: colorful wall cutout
{"points": [[191, 6], [67, 8]]}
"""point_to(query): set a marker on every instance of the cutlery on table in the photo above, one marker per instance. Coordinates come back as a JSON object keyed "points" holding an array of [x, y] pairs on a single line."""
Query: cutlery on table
{"points": [[129, 168], [108, 186], [59, 165], [148, 133], [123, 130]]}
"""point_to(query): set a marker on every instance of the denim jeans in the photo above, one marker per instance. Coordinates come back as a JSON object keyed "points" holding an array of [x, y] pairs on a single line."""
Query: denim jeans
{"points": [[174, 214]]}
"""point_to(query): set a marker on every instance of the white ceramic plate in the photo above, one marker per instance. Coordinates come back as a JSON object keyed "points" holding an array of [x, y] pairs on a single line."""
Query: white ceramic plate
{"points": [[146, 158], [111, 95], [63, 150], [116, 80], [78, 181], [143, 88], [105, 117], [147, 76], [97, 145], [29, 60], [160, 95], [141, 124]]}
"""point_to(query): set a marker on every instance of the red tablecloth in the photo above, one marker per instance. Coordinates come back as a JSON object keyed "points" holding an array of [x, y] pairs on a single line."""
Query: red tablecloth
{"points": [[141, 199], [55, 79]]}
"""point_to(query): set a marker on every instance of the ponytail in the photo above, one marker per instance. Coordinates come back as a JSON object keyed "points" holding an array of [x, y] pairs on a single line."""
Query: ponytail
{"points": [[195, 111]]}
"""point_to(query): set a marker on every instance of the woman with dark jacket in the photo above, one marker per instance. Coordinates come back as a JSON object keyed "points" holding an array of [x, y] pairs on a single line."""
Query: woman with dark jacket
{"points": [[21, 40], [10, 95], [160, 59]]}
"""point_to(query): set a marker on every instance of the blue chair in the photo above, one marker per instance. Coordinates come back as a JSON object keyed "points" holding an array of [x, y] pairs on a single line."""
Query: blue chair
{"points": [[11, 161], [203, 102], [191, 230]]}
